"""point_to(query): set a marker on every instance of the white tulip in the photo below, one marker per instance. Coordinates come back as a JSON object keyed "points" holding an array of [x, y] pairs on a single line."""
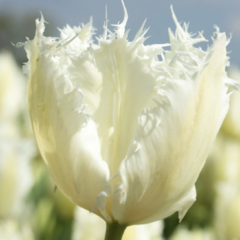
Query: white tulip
{"points": [[225, 160], [15, 152], [195, 234], [12, 84], [12, 230], [123, 133], [231, 124], [16, 175], [227, 211]]}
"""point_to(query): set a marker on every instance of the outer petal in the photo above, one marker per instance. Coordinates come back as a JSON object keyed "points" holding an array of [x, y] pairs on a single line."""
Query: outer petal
{"points": [[66, 135], [157, 178]]}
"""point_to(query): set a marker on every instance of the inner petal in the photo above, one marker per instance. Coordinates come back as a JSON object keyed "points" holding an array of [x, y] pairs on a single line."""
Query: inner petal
{"points": [[127, 88]]}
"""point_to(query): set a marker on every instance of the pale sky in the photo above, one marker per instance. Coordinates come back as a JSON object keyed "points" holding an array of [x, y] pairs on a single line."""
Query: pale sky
{"points": [[202, 15]]}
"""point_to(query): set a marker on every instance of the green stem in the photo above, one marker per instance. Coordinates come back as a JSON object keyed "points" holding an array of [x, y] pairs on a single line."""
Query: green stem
{"points": [[114, 231]]}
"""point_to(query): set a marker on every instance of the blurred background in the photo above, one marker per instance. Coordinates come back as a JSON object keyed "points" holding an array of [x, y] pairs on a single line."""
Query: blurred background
{"points": [[29, 207]]}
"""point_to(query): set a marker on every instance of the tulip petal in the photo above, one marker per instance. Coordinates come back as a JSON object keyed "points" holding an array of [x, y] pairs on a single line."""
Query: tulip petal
{"points": [[66, 135], [173, 139], [127, 87]]}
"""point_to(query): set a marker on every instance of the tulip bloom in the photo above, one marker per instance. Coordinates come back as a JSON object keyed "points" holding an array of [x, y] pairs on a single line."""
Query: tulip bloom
{"points": [[125, 128]]}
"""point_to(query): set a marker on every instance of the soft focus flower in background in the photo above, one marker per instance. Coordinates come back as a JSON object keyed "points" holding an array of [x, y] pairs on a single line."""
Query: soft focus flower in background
{"points": [[123, 133], [16, 152], [231, 124], [195, 234], [227, 211], [15, 171], [16, 180], [227, 172], [15, 175], [12, 85], [225, 159], [89, 226], [10, 230]]}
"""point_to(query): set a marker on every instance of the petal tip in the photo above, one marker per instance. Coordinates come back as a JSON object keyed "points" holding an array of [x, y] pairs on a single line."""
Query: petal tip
{"points": [[188, 201]]}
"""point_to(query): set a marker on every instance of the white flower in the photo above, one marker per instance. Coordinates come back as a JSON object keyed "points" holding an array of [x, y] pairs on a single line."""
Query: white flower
{"points": [[231, 124], [227, 211], [12, 230], [225, 160], [11, 94], [15, 174], [123, 133], [196, 234], [151, 231], [15, 152], [89, 226]]}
